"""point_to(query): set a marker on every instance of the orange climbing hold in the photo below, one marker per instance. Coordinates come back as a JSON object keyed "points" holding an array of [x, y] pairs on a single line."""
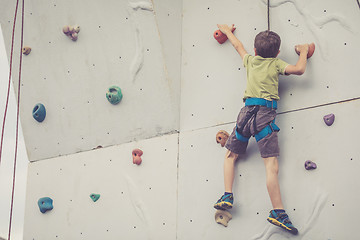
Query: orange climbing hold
{"points": [[220, 37], [221, 137], [26, 50], [310, 52], [223, 217], [136, 154]]}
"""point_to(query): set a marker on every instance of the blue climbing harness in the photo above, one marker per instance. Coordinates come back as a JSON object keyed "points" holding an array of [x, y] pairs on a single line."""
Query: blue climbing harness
{"points": [[272, 127]]}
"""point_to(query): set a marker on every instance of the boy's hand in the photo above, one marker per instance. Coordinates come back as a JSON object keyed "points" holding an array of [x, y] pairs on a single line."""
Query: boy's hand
{"points": [[304, 48], [224, 28]]}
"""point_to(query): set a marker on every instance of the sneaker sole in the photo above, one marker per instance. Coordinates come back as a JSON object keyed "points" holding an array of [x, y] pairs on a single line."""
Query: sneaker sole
{"points": [[283, 226], [223, 206]]}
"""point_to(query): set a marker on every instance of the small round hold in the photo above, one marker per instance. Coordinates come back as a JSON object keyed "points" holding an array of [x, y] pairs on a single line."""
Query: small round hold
{"points": [[221, 137], [74, 36], [77, 29], [309, 165], [66, 30], [39, 112], [329, 119], [26, 50], [114, 95]]}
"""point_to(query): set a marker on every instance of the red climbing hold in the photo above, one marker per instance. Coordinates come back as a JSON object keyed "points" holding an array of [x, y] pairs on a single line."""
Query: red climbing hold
{"points": [[220, 37], [329, 119], [136, 154], [310, 51]]}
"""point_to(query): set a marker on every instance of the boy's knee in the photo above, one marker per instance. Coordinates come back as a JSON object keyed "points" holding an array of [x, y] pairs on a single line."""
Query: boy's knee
{"points": [[271, 164], [231, 156]]}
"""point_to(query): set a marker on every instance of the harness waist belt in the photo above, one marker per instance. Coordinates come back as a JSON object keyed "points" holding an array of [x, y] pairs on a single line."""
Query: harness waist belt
{"points": [[261, 102]]}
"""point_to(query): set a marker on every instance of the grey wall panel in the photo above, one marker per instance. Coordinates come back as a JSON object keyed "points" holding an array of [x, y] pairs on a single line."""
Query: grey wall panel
{"points": [[321, 203], [132, 204], [119, 44]]}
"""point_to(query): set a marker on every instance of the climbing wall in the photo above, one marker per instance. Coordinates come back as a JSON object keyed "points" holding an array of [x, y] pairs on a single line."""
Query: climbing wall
{"points": [[322, 203], [150, 49], [119, 44]]}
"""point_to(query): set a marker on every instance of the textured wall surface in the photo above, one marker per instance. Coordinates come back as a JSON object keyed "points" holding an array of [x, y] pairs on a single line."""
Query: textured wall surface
{"points": [[120, 43], [170, 43]]}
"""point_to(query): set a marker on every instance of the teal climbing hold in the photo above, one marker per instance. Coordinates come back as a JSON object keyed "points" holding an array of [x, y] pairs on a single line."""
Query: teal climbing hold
{"points": [[94, 197], [114, 95], [45, 204], [39, 112]]}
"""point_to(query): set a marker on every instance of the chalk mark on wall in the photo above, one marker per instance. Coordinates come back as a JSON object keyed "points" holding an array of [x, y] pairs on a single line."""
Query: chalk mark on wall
{"points": [[138, 205], [320, 202], [138, 60]]}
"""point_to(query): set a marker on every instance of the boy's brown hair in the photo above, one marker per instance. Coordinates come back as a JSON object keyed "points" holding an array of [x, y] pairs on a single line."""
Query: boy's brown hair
{"points": [[267, 44]]}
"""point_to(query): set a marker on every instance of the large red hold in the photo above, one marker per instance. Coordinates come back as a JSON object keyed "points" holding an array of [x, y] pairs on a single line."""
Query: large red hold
{"points": [[220, 37]]}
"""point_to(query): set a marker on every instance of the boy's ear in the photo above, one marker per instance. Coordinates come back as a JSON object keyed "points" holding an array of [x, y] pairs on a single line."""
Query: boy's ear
{"points": [[278, 53], [255, 52]]}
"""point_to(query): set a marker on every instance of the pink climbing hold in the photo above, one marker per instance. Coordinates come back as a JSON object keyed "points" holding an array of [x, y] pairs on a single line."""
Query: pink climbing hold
{"points": [[136, 154], [220, 37], [329, 119], [309, 165], [71, 31]]}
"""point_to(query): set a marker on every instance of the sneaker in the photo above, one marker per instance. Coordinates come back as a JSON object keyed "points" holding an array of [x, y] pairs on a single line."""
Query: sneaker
{"points": [[225, 202], [281, 219]]}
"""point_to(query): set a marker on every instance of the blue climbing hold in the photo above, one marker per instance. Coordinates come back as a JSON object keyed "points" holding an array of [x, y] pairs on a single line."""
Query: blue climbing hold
{"points": [[95, 197], [45, 204], [114, 95], [39, 112]]}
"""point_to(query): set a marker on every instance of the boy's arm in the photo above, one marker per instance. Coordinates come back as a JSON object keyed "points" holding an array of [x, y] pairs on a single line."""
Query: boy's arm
{"points": [[300, 66], [239, 47]]}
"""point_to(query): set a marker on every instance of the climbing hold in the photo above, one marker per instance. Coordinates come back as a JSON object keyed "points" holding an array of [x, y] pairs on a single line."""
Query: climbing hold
{"points": [[71, 31], [114, 95], [77, 29], [74, 36], [136, 154], [66, 30], [45, 204], [39, 112], [221, 137], [310, 51], [94, 196], [329, 119], [26, 50], [309, 165], [223, 217], [220, 37]]}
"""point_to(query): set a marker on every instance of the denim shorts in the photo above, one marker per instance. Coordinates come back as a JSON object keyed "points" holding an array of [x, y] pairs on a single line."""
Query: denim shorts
{"points": [[268, 146]]}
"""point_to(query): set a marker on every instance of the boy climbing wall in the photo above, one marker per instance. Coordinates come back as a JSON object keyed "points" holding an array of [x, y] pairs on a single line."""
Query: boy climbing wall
{"points": [[257, 117]]}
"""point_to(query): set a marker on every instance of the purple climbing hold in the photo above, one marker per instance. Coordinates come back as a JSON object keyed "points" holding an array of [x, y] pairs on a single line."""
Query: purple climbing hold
{"points": [[309, 165], [329, 119]]}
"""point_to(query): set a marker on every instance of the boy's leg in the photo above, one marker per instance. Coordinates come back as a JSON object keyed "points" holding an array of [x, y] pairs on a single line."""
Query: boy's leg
{"points": [[272, 182], [226, 200], [229, 170], [278, 215]]}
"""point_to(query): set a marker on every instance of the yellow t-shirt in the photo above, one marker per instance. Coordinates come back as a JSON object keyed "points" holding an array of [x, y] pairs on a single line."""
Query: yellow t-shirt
{"points": [[263, 77]]}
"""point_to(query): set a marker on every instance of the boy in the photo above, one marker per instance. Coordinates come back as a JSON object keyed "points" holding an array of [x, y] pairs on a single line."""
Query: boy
{"points": [[257, 118]]}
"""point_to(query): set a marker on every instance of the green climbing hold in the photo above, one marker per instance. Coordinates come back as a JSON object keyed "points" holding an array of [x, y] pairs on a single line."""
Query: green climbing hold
{"points": [[94, 197], [114, 95]]}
